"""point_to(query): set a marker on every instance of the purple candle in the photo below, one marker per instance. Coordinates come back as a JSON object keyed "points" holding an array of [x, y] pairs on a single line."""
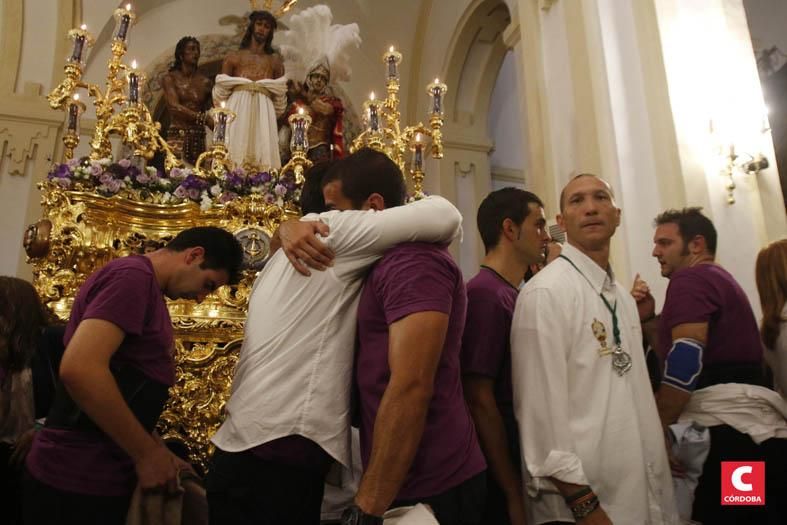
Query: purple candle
{"points": [[79, 46], [125, 20]]}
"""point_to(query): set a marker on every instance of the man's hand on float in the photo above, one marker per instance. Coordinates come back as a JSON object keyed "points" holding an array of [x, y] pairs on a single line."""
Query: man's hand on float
{"points": [[301, 245], [156, 469]]}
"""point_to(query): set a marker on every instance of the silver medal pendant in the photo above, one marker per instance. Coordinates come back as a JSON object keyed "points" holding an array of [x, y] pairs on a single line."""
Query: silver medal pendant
{"points": [[621, 361]]}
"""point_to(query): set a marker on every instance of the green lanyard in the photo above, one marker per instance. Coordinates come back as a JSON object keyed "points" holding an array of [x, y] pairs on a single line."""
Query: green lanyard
{"points": [[612, 309]]}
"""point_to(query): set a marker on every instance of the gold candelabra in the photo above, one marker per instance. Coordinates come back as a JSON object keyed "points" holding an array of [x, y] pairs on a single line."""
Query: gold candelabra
{"points": [[383, 124]]}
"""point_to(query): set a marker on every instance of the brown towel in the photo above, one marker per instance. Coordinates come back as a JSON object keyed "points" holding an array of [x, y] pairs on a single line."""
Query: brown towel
{"points": [[188, 506]]}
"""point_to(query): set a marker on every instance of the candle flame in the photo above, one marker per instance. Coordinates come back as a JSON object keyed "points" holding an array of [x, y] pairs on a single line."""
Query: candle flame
{"points": [[418, 137], [83, 27], [223, 104], [391, 50], [128, 7], [133, 64], [436, 80], [300, 111], [371, 96], [76, 96]]}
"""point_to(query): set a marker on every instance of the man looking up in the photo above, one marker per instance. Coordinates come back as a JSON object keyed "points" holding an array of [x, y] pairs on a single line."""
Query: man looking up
{"points": [[418, 443], [115, 373], [253, 85], [713, 370], [581, 391], [514, 231], [288, 418]]}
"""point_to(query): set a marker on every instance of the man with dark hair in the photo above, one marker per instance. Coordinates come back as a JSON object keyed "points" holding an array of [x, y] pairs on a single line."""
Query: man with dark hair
{"points": [[288, 419], [589, 424], [514, 231], [253, 85], [713, 372], [118, 365], [187, 94], [418, 443]]}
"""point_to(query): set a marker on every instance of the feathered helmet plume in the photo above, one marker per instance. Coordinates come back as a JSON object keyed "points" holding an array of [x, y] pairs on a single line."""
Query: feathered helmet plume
{"points": [[312, 39]]}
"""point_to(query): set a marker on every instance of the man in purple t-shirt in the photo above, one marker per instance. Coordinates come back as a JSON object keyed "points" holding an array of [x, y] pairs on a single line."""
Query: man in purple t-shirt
{"points": [[513, 228], [418, 443], [708, 337], [115, 373]]}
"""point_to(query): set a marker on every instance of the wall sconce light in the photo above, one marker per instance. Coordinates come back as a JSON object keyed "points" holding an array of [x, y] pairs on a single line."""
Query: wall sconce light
{"points": [[733, 164]]}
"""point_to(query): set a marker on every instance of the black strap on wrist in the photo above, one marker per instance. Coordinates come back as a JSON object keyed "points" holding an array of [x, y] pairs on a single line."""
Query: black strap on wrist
{"points": [[354, 515]]}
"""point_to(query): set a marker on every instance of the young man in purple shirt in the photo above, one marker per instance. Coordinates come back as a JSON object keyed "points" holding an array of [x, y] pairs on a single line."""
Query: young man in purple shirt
{"points": [[115, 374], [514, 231], [418, 443], [709, 339]]}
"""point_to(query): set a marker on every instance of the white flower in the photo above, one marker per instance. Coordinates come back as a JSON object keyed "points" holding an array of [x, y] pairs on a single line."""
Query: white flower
{"points": [[206, 203], [166, 197], [164, 183], [127, 178], [215, 190], [151, 170], [104, 162]]}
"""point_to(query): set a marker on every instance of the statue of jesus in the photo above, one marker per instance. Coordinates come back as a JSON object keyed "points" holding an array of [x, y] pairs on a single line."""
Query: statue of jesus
{"points": [[253, 85]]}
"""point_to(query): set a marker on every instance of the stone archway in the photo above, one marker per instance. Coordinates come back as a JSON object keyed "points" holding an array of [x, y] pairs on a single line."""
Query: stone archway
{"points": [[476, 53]]}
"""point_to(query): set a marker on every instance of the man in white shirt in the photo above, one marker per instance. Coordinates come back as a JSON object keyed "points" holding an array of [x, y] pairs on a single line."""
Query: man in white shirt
{"points": [[288, 418], [590, 432]]}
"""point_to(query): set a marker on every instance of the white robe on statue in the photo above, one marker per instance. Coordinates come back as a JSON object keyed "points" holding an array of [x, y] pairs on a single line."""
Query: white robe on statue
{"points": [[253, 136]]}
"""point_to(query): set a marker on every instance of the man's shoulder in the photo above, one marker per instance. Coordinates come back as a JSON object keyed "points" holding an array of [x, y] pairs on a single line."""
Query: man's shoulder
{"points": [[418, 257]]}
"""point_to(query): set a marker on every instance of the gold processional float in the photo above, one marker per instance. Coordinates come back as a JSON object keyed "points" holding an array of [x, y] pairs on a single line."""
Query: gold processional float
{"points": [[98, 208]]}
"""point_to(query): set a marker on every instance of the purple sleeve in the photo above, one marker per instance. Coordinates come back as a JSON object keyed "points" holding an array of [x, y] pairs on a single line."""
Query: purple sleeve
{"points": [[121, 298], [415, 282], [689, 300], [486, 336]]}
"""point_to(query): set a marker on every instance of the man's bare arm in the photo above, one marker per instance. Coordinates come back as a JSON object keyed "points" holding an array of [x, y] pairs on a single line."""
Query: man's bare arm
{"points": [[480, 397], [670, 400], [84, 371], [597, 517], [415, 345]]}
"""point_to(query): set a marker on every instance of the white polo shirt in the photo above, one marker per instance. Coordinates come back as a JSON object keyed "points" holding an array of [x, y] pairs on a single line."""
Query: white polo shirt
{"points": [[294, 372]]}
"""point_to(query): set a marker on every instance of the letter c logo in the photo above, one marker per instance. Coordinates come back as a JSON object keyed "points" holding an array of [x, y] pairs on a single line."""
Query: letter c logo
{"points": [[737, 480]]}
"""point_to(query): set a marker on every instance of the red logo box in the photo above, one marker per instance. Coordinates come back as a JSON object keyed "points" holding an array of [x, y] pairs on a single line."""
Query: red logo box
{"points": [[743, 483]]}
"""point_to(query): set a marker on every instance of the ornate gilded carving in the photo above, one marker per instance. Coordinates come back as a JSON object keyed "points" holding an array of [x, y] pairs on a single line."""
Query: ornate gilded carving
{"points": [[86, 230]]}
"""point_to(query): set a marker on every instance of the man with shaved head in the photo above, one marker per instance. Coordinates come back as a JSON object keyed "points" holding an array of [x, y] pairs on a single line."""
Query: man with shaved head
{"points": [[590, 432]]}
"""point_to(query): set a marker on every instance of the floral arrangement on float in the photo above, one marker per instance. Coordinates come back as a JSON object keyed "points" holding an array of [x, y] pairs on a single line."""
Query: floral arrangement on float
{"points": [[149, 184]]}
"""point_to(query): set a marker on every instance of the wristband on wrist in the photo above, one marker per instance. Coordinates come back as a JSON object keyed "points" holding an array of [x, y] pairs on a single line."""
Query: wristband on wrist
{"points": [[583, 508], [575, 497]]}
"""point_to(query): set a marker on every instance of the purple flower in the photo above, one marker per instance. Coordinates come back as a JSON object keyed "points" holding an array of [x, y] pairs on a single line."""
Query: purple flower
{"points": [[63, 182], [73, 163], [61, 171], [227, 196], [233, 180], [180, 192], [280, 190], [269, 198], [106, 178], [194, 182], [143, 178], [114, 185], [177, 173], [124, 163], [193, 193], [96, 169]]}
